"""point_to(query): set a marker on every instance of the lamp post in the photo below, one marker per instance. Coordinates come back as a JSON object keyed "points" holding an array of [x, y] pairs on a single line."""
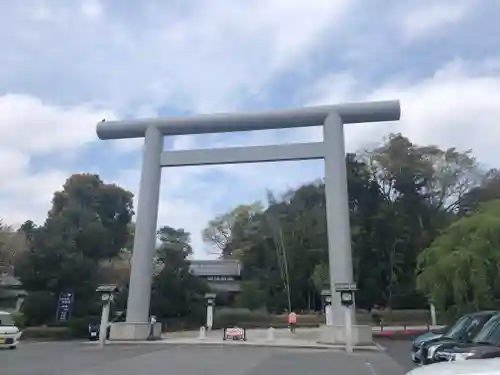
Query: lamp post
{"points": [[326, 295], [107, 296], [346, 291], [210, 302]]}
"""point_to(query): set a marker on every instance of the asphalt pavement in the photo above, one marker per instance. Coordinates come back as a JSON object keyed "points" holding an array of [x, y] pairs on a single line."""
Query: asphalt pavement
{"points": [[64, 358], [399, 351]]}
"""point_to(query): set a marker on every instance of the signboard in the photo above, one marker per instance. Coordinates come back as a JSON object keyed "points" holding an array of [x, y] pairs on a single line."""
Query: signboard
{"points": [[220, 278], [345, 287], [234, 333], [64, 305]]}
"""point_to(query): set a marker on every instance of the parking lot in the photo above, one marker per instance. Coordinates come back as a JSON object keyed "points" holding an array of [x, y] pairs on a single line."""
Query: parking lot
{"points": [[61, 358]]}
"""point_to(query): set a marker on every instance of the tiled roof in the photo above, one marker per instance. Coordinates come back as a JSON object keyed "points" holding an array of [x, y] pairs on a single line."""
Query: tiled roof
{"points": [[219, 267]]}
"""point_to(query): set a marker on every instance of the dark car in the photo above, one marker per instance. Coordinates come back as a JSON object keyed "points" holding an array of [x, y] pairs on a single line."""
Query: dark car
{"points": [[486, 344], [421, 339], [465, 328]]}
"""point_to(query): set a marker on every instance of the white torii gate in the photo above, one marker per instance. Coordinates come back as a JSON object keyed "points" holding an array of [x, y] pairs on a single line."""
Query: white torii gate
{"points": [[331, 149]]}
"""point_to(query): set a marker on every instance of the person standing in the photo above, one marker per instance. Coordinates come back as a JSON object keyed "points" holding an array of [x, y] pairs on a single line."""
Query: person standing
{"points": [[292, 321], [152, 322]]}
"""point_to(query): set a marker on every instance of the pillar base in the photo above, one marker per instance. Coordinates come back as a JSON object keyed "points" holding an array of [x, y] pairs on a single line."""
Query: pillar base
{"points": [[125, 331], [361, 335]]}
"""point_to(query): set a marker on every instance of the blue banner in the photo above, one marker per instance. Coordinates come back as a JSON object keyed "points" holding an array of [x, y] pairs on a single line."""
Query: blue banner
{"points": [[64, 305]]}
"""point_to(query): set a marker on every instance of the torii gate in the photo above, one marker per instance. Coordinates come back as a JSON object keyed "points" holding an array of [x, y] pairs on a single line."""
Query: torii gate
{"points": [[331, 149]]}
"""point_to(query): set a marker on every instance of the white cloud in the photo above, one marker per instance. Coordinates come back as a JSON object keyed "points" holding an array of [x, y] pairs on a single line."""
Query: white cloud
{"points": [[30, 129], [29, 125], [202, 58], [199, 58], [455, 107], [92, 8], [26, 195], [425, 17]]}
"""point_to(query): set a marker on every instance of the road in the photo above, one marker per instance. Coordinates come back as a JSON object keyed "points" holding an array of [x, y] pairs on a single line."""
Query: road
{"points": [[63, 358], [399, 351]]}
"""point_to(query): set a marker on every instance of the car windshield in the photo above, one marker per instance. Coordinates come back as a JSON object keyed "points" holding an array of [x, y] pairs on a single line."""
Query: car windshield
{"points": [[6, 320], [490, 332], [456, 329]]}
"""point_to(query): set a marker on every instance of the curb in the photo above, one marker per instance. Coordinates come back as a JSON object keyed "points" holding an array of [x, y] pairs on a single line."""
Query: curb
{"points": [[323, 346], [395, 335]]}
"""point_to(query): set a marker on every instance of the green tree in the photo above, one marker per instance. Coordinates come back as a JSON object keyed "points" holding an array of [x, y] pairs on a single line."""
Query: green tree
{"points": [[422, 187], [292, 232], [222, 228], [252, 296], [116, 270], [13, 246], [177, 240], [460, 270], [92, 217], [488, 190], [321, 277], [88, 222], [176, 294]]}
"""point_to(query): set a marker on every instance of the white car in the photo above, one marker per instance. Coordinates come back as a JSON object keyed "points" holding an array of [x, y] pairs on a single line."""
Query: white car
{"points": [[470, 367], [9, 333]]}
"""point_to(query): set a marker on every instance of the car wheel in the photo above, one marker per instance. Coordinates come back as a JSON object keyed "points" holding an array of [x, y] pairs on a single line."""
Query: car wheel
{"points": [[13, 347]]}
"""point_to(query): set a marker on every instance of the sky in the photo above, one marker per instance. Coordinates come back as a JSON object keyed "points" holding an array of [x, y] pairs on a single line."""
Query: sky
{"points": [[65, 65]]}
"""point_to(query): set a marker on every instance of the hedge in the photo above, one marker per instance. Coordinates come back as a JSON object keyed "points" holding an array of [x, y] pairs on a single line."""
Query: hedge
{"points": [[78, 327], [19, 319], [261, 319], [47, 333], [399, 317], [74, 328]]}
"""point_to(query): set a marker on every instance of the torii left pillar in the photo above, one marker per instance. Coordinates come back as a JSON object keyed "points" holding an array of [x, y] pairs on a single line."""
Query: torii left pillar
{"points": [[138, 324]]}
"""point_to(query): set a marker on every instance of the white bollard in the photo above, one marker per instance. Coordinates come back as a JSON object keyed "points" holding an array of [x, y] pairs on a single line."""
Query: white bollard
{"points": [[328, 315], [270, 334], [348, 329], [203, 333], [210, 317]]}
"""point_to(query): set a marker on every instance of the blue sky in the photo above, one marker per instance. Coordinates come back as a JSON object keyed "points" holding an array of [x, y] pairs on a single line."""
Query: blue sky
{"points": [[67, 64]]}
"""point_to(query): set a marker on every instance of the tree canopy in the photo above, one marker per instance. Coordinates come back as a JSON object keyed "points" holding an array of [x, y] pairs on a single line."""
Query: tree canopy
{"points": [[402, 196], [424, 226], [88, 223], [461, 269], [176, 292]]}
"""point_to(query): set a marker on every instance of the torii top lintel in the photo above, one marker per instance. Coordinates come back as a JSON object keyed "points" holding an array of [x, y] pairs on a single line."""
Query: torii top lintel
{"points": [[233, 122]]}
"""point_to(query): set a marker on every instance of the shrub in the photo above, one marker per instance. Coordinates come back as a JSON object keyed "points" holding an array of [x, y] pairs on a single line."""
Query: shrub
{"points": [[78, 327], [39, 308], [376, 317], [241, 317], [47, 333], [19, 319], [410, 317], [261, 319], [179, 324]]}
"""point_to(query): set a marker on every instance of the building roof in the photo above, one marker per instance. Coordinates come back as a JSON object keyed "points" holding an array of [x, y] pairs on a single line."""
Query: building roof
{"points": [[219, 267]]}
